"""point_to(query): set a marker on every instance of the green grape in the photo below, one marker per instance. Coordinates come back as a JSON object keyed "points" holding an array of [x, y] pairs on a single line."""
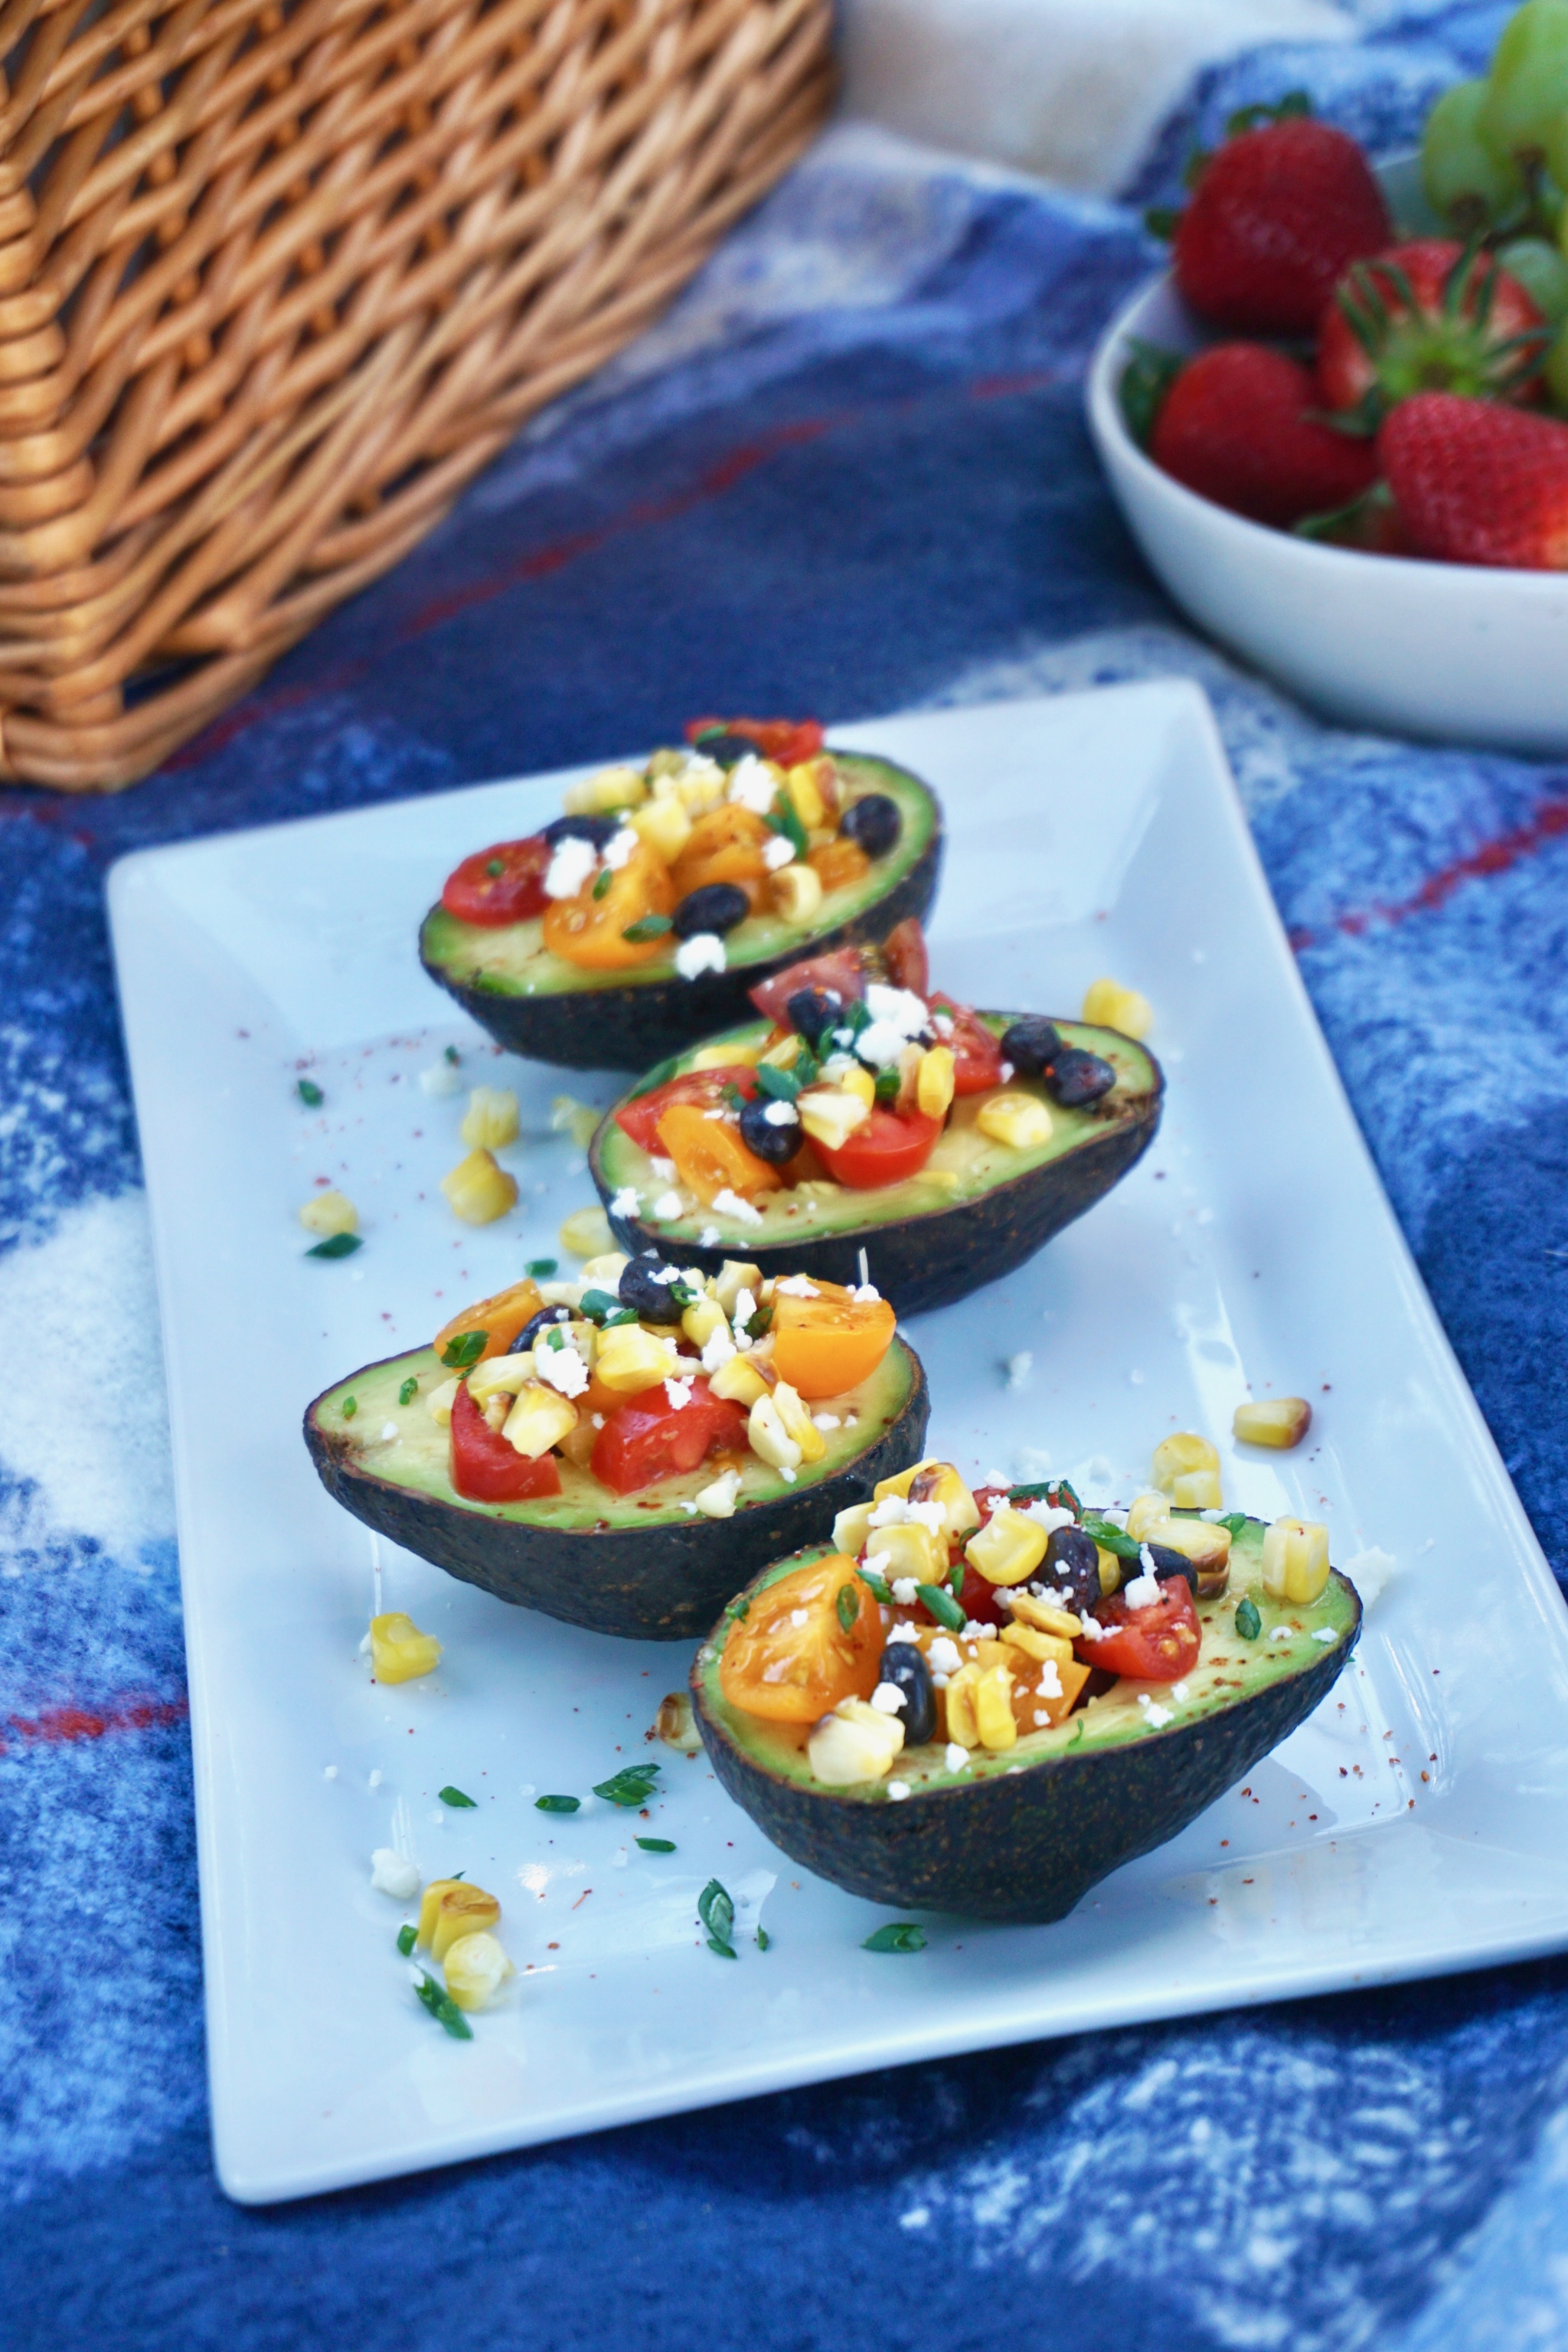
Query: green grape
{"points": [[1542, 272], [1556, 371], [1527, 88], [1467, 184]]}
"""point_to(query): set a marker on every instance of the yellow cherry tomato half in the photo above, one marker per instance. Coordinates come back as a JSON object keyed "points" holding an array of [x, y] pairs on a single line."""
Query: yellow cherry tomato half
{"points": [[590, 930], [792, 1657], [824, 1344], [710, 1156]]}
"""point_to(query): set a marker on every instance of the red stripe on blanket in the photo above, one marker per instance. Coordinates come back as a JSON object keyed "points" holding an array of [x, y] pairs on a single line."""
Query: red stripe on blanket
{"points": [[1549, 823], [54, 1726]]}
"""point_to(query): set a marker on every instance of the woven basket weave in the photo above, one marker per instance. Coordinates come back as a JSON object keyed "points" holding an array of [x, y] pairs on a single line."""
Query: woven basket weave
{"points": [[275, 280]]}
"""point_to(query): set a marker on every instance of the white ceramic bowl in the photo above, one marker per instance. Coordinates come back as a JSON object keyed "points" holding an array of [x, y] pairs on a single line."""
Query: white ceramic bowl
{"points": [[1453, 652]]}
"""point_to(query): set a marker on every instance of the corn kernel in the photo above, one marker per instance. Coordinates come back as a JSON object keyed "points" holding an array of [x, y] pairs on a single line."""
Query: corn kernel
{"points": [[1295, 1561], [631, 1360], [568, 1117], [676, 1724], [1054, 1647], [429, 1905], [608, 788], [1044, 1616], [717, 1500], [480, 1188], [603, 1273], [908, 1551], [784, 1054], [736, 1274], [500, 1374], [700, 786], [1108, 1006], [329, 1213], [1014, 1117], [830, 1115], [856, 1742], [1281, 1422], [852, 1529], [1009, 1548], [805, 793], [1203, 1542], [477, 1968], [1148, 1511], [540, 1419], [490, 1119], [797, 892], [769, 1438], [933, 1086], [799, 1423], [739, 1381], [460, 1910], [979, 1707], [1110, 1568], [701, 1319], [586, 1233], [664, 824], [399, 1652], [935, 1482], [1187, 1468], [440, 1402]]}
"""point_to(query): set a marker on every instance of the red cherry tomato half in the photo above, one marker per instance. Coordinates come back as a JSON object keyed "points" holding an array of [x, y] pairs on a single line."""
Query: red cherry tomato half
{"points": [[977, 1056], [842, 970], [1156, 1643], [504, 884], [648, 1438], [978, 1599], [785, 740], [905, 955], [884, 1151], [487, 1468], [640, 1118]]}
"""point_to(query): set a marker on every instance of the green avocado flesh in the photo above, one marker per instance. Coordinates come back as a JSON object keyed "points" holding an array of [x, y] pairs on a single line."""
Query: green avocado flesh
{"points": [[1023, 1833], [997, 1203], [654, 1569], [514, 960]]}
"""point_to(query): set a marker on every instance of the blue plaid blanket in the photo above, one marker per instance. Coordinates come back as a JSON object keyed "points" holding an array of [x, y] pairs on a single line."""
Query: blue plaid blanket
{"points": [[846, 473]]}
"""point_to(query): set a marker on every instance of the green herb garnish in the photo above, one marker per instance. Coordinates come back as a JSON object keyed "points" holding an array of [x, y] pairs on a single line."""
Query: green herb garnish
{"points": [[1145, 380], [955, 1579], [741, 1608], [310, 1092], [784, 818], [542, 1268], [1248, 1623], [1110, 1538], [621, 1314], [465, 1348], [717, 1914], [452, 1054], [848, 1602], [555, 1337], [410, 1388], [602, 881], [443, 2008], [729, 1093], [495, 868], [450, 1796], [646, 927], [351, 1406], [1055, 1492], [335, 1246], [1235, 1520], [782, 1085], [887, 1085], [557, 1804], [657, 1845], [876, 1585], [406, 1937], [942, 1606], [764, 1941], [598, 1306], [633, 1785], [805, 1069], [899, 1936], [759, 1320]]}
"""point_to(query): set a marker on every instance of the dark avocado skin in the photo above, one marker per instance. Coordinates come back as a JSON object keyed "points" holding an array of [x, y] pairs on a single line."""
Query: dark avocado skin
{"points": [[630, 1028], [1023, 1848], [929, 1260], [663, 1583]]}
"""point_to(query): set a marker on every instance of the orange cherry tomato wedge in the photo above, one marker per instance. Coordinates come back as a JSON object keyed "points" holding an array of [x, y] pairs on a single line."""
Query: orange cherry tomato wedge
{"points": [[590, 930], [725, 845], [639, 1118], [831, 1342], [837, 864], [793, 1672], [710, 1156], [500, 1319]]}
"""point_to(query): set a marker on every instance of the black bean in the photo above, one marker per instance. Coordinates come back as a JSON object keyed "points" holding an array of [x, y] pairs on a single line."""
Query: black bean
{"points": [[536, 1325], [1076, 1077], [1072, 1560], [874, 822], [810, 1011], [653, 1300], [1167, 1564], [774, 1139], [716, 906], [1030, 1044], [904, 1666], [728, 750], [596, 829]]}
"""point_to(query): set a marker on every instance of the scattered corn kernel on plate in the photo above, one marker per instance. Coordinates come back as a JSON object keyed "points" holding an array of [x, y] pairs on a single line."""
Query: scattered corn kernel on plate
{"points": [[286, 1050]]}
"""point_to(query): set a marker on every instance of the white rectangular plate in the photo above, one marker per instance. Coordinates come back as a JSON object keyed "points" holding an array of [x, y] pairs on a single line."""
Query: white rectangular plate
{"points": [[1417, 1823]]}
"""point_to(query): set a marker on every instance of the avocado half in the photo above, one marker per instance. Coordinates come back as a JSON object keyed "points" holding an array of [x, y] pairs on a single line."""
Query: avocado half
{"points": [[536, 1004], [638, 1564], [976, 1212], [1022, 1835]]}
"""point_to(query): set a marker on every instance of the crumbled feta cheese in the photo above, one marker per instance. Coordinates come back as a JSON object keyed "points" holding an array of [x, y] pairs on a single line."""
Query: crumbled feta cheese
{"points": [[1178, 1690], [708, 1238], [897, 1790], [375, 1780], [619, 847], [388, 1431], [729, 1204], [796, 1286], [957, 1758], [1050, 1516], [1144, 1590], [663, 1169], [1280, 1634], [441, 1078], [1050, 1682], [667, 1205], [688, 1507], [1093, 1631], [788, 1476], [1158, 1715], [974, 1631], [942, 1023], [569, 868], [561, 1369], [899, 1006], [704, 951], [751, 785], [1370, 1571], [597, 1419], [1019, 1368], [880, 1043], [393, 1874], [887, 1698], [781, 1114], [905, 1588], [744, 1308], [627, 1201], [942, 1657], [618, 1859], [865, 1293], [717, 1349], [1006, 1066], [779, 851], [330, 1772], [678, 1392], [825, 1421], [664, 1274], [1326, 1633]]}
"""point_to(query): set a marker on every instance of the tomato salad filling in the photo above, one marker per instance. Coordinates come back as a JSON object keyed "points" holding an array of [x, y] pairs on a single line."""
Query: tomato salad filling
{"points": [[643, 1370], [681, 858], [967, 1621]]}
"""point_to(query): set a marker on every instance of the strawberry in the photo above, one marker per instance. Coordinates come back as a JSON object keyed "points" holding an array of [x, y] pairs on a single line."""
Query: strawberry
{"points": [[1478, 482], [1278, 216], [1235, 427], [1432, 316]]}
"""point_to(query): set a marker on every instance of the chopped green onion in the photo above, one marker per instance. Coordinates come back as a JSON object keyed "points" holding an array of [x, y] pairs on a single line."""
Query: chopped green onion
{"points": [[784, 818], [942, 1606], [406, 1936], [451, 1054], [764, 1941], [621, 1314], [602, 881], [336, 1246], [1235, 1521], [450, 1796], [1056, 1492], [465, 1348], [542, 1268], [646, 927], [1110, 1538], [899, 1936], [657, 1845], [310, 1092], [738, 1608], [782, 1085], [888, 1083], [410, 1388], [848, 1604], [557, 1804], [717, 1913], [494, 866], [598, 1306], [633, 1785], [1248, 1623], [443, 2008], [955, 1579], [876, 1585], [555, 1337], [729, 1093], [805, 1069], [351, 1406]]}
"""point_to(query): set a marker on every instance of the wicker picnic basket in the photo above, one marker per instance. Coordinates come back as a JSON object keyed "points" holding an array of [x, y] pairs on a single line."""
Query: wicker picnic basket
{"points": [[277, 279]]}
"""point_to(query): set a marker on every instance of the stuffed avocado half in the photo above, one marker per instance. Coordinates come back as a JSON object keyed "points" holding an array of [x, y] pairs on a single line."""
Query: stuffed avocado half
{"points": [[707, 1427], [635, 923], [866, 1125], [999, 1765]]}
